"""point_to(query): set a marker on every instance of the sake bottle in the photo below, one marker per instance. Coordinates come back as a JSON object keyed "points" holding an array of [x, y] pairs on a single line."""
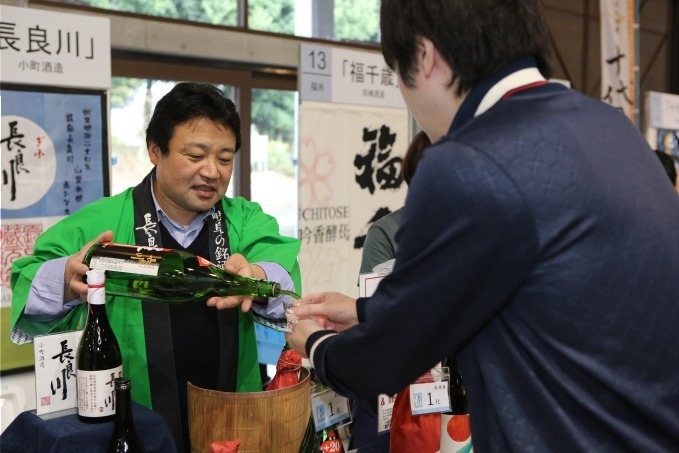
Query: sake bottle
{"points": [[125, 438], [332, 442], [455, 428], [167, 275], [99, 361]]}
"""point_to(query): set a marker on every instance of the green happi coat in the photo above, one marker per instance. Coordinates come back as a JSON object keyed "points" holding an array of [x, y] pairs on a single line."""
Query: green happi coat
{"points": [[251, 233]]}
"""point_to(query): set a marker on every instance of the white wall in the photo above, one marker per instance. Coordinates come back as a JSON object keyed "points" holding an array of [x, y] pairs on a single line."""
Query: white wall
{"points": [[17, 394]]}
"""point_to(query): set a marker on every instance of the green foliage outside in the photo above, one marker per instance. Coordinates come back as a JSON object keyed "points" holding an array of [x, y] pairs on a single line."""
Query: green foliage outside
{"points": [[219, 12], [280, 158], [357, 20]]}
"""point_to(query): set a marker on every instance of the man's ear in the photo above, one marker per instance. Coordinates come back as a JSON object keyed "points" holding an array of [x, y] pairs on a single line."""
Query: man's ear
{"points": [[426, 56], [154, 153]]}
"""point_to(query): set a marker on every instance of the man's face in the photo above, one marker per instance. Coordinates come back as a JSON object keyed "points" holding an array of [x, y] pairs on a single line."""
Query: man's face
{"points": [[195, 173]]}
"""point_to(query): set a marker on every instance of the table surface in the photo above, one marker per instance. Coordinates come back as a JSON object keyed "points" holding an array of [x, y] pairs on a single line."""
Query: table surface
{"points": [[30, 433]]}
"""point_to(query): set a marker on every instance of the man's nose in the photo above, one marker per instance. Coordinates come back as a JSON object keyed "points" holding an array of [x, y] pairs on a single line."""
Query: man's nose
{"points": [[208, 168]]}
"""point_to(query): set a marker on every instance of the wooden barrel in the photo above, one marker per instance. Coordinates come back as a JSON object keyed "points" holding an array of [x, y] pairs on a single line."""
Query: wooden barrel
{"points": [[270, 421]]}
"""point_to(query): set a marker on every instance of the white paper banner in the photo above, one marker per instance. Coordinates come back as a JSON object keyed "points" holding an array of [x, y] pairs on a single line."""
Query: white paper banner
{"points": [[349, 161], [618, 55]]}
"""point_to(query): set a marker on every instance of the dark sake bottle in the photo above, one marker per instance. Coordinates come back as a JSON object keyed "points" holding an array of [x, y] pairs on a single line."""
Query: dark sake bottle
{"points": [[331, 441], [167, 275], [125, 438], [99, 361], [455, 427]]}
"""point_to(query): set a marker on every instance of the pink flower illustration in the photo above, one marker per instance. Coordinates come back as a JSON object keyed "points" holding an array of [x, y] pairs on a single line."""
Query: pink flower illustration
{"points": [[314, 180]]}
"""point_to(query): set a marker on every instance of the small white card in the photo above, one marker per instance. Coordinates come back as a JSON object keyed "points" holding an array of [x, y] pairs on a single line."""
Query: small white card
{"points": [[329, 408], [367, 283], [385, 407], [55, 365], [429, 397]]}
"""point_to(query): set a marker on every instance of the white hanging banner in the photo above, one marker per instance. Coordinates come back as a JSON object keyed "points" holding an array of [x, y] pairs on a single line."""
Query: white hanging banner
{"points": [[47, 48], [619, 68], [350, 160]]}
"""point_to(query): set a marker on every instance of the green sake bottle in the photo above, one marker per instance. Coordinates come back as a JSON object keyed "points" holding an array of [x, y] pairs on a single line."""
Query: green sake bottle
{"points": [[167, 275]]}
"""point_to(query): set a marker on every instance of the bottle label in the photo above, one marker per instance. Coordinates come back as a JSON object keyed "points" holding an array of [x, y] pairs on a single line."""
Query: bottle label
{"points": [[456, 435], [332, 446], [141, 267], [96, 392]]}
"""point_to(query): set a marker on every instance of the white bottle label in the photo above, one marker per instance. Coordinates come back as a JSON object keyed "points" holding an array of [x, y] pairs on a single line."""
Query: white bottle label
{"points": [[140, 267], [96, 392], [456, 434]]}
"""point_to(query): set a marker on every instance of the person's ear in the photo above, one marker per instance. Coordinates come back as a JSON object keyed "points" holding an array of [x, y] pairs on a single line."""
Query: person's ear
{"points": [[154, 153], [426, 56]]}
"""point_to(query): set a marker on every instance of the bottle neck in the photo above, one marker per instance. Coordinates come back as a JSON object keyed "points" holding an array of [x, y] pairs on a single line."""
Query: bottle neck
{"points": [[97, 314], [123, 409], [458, 394]]}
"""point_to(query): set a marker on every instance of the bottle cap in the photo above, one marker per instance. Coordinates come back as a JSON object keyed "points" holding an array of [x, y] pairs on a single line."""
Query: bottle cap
{"points": [[122, 383], [96, 277]]}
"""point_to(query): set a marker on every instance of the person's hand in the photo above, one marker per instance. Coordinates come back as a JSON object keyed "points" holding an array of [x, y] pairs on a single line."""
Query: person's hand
{"points": [[74, 287], [331, 310], [300, 333], [238, 264]]}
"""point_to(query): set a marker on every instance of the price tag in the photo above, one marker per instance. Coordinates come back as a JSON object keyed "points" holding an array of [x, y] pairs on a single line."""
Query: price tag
{"points": [[385, 407], [428, 397], [329, 408]]}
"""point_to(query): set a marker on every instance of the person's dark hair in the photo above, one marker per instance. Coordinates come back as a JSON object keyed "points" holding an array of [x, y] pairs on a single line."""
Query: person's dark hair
{"points": [[667, 162], [417, 146], [477, 38], [188, 101]]}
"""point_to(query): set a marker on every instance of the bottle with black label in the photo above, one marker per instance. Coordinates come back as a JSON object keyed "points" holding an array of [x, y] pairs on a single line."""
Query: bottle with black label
{"points": [[125, 438], [455, 428], [167, 275], [99, 361]]}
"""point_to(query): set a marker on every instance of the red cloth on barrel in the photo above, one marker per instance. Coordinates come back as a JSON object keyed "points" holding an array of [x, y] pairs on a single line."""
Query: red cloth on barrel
{"points": [[287, 370]]}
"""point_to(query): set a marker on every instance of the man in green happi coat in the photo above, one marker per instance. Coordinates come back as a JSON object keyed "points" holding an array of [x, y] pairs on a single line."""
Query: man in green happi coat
{"points": [[192, 139]]}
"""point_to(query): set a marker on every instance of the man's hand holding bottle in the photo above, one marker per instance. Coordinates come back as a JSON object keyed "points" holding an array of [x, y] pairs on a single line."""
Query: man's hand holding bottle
{"points": [[239, 265], [74, 286]]}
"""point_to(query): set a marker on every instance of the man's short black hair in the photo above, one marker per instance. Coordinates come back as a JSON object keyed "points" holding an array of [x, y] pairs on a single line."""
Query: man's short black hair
{"points": [[188, 101], [477, 38]]}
